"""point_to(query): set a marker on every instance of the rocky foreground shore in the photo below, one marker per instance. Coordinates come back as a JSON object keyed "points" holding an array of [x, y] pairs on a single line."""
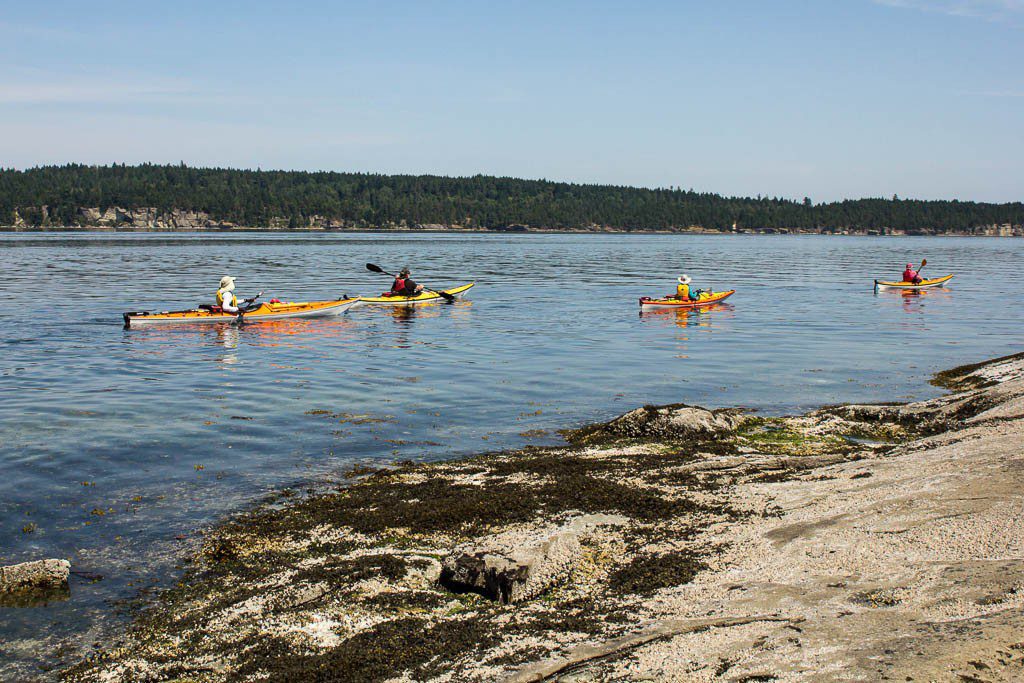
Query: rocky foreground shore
{"points": [[859, 542]]}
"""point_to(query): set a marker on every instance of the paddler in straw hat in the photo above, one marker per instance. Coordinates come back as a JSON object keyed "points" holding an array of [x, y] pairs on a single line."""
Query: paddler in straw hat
{"points": [[226, 298], [228, 302]]}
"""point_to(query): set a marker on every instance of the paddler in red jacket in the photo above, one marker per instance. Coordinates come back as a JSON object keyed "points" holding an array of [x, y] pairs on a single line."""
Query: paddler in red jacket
{"points": [[910, 275], [404, 286]]}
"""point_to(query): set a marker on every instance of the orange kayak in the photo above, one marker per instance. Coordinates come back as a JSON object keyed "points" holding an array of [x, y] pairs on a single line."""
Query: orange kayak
{"points": [[265, 311]]}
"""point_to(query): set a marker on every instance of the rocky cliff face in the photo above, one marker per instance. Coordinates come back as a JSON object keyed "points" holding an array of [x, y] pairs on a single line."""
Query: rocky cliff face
{"points": [[148, 217], [118, 217], [151, 218]]}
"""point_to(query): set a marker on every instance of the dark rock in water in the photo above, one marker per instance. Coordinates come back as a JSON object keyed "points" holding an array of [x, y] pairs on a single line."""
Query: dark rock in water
{"points": [[677, 421], [519, 565], [28, 583]]}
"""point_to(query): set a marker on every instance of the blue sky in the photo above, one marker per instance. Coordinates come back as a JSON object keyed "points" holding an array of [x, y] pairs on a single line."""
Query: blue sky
{"points": [[831, 99]]}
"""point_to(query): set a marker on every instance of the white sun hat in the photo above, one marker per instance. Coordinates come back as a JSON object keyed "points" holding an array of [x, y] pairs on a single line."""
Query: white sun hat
{"points": [[684, 279], [227, 282]]}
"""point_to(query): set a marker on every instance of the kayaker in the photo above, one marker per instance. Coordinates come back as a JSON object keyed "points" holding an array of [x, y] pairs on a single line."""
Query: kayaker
{"points": [[404, 286], [226, 298], [911, 275], [683, 292]]}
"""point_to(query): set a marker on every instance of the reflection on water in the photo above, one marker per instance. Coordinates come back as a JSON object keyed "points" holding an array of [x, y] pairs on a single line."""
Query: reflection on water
{"points": [[917, 301], [227, 336], [163, 429], [684, 317], [709, 317]]}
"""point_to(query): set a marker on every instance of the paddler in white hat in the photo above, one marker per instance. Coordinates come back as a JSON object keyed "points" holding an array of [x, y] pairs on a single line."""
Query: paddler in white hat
{"points": [[226, 298], [683, 288], [228, 302]]}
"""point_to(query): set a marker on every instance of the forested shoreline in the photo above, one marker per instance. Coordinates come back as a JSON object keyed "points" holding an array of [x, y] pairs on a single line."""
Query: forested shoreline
{"points": [[177, 196]]}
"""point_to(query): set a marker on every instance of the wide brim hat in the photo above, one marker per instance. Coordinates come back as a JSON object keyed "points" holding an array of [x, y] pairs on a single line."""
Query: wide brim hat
{"points": [[227, 282], [684, 279]]}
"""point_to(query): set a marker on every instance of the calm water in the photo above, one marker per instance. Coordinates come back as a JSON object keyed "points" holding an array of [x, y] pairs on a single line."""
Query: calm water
{"points": [[118, 445]]}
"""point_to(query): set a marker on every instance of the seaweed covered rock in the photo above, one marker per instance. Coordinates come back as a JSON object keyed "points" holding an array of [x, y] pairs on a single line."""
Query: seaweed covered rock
{"points": [[520, 565], [985, 391], [38, 575], [677, 421]]}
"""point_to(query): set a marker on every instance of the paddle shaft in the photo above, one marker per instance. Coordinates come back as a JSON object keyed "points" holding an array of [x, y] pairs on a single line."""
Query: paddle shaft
{"points": [[239, 319], [444, 295]]}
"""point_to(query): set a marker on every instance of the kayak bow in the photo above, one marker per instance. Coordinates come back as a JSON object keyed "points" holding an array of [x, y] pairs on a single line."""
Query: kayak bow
{"points": [[424, 297], [265, 311], [923, 284], [649, 304]]}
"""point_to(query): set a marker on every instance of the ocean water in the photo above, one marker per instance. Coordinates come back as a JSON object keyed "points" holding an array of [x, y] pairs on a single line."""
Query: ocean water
{"points": [[118, 446]]}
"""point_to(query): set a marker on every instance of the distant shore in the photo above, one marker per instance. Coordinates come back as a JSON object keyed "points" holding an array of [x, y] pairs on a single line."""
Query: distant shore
{"points": [[672, 543], [493, 231]]}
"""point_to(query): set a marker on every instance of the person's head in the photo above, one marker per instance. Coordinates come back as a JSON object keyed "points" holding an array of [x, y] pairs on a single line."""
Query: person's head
{"points": [[227, 283], [910, 266], [404, 272], [684, 279]]}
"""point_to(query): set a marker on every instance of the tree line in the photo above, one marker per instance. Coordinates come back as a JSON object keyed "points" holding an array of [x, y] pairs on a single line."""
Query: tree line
{"points": [[256, 197]]}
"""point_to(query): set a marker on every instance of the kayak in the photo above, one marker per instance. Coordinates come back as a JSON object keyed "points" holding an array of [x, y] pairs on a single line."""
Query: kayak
{"points": [[649, 304], [265, 311], [923, 284], [424, 297]]}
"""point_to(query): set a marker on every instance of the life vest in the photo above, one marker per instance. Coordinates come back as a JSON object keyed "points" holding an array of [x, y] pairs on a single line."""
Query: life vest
{"points": [[682, 291], [221, 297], [398, 286]]}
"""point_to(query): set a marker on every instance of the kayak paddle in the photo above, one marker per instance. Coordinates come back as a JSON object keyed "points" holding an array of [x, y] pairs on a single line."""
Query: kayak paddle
{"points": [[244, 308], [924, 262], [444, 295]]}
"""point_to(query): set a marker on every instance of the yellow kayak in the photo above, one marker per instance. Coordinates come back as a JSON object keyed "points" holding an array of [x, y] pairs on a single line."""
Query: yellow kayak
{"points": [[706, 299], [923, 284], [265, 311], [424, 297]]}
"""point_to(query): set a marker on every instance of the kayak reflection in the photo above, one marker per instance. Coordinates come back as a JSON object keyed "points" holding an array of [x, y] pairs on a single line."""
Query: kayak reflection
{"points": [[690, 326], [686, 317], [914, 302], [431, 309]]}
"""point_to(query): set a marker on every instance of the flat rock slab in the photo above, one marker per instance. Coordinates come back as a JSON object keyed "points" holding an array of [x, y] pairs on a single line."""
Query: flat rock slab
{"points": [[520, 565], [41, 575]]}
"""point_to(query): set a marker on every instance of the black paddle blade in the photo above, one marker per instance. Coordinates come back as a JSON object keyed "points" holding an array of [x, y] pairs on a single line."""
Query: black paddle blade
{"points": [[375, 269], [447, 297]]}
